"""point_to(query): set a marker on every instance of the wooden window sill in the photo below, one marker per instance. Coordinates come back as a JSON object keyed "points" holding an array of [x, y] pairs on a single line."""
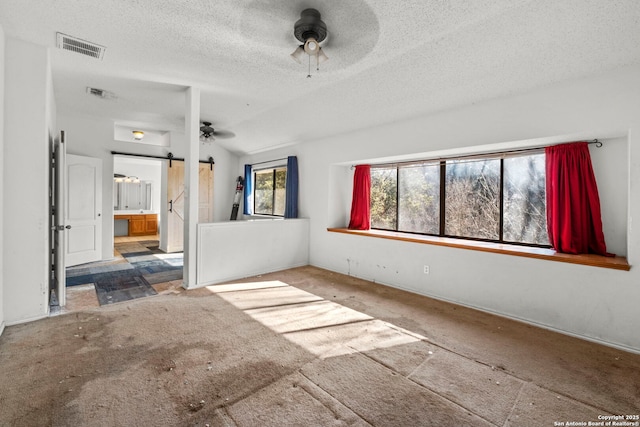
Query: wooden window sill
{"points": [[616, 263]]}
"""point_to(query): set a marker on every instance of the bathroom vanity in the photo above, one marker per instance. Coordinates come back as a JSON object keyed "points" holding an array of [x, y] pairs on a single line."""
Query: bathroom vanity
{"points": [[132, 207], [138, 224]]}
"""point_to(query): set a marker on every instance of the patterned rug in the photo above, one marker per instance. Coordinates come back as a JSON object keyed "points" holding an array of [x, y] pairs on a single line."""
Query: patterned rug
{"points": [[137, 266]]}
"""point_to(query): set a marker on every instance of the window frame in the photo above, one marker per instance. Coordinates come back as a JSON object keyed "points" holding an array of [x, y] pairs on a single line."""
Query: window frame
{"points": [[274, 169], [442, 198]]}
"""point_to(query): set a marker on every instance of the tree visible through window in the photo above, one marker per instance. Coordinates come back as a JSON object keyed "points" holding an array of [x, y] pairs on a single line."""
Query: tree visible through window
{"points": [[525, 214], [472, 200], [384, 198], [419, 198], [269, 191], [495, 198]]}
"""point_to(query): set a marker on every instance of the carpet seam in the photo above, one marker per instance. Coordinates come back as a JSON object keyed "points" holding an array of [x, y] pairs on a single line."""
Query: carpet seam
{"points": [[427, 388], [284, 285], [287, 304], [515, 404], [342, 403], [523, 380], [316, 328], [304, 387], [226, 415]]}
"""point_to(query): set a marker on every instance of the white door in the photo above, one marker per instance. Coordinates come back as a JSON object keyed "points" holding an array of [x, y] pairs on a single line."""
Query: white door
{"points": [[58, 226], [83, 205]]}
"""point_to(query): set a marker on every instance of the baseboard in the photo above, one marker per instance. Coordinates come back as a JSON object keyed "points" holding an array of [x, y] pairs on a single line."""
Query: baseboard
{"points": [[497, 313], [1, 328], [528, 322], [248, 275], [27, 320]]}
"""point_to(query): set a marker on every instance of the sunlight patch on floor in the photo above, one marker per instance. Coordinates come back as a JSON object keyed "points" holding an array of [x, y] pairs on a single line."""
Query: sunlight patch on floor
{"points": [[324, 328]]}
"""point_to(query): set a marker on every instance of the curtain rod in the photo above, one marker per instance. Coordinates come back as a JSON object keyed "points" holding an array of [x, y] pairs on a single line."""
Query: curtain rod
{"points": [[597, 143], [169, 157], [269, 161]]}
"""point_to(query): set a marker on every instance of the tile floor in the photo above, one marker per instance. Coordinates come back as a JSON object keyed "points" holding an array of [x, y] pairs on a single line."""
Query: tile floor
{"points": [[84, 296]]}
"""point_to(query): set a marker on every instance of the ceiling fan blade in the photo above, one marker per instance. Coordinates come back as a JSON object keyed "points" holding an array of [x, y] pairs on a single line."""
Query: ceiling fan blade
{"points": [[223, 134]]}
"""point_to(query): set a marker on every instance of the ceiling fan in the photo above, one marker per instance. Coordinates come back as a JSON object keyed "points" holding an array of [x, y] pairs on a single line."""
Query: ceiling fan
{"points": [[209, 134]]}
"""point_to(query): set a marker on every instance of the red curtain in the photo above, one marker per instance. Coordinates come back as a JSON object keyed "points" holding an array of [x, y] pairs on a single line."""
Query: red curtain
{"points": [[573, 205], [360, 209]]}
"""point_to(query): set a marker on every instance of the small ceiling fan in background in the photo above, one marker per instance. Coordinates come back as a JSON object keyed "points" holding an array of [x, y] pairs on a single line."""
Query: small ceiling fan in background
{"points": [[209, 134]]}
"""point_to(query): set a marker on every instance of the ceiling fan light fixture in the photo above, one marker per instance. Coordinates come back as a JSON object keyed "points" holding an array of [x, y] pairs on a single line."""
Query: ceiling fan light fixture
{"points": [[206, 137], [138, 135], [209, 134], [311, 31], [321, 56], [311, 46], [298, 54], [206, 131]]}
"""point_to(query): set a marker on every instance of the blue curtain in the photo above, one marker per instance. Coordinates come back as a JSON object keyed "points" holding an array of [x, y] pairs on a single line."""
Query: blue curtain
{"points": [[248, 190], [291, 186]]}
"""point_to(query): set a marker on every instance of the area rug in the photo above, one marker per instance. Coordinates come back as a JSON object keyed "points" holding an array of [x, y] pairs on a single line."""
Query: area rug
{"points": [[136, 266], [122, 286]]}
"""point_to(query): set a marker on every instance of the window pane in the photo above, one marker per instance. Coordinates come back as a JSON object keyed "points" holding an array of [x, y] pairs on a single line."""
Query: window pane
{"points": [[383, 198], [263, 193], [281, 178], [525, 218], [419, 198], [472, 199], [269, 196]]}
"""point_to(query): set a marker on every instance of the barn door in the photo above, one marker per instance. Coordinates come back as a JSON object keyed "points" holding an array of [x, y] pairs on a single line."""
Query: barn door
{"points": [[176, 202], [175, 210]]}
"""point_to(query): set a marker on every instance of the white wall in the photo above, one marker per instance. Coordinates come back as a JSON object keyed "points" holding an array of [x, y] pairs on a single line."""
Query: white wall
{"points": [[29, 118], [99, 142], [237, 249], [2, 110], [593, 303]]}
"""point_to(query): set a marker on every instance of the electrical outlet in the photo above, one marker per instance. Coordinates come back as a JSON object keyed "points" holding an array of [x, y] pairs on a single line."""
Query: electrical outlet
{"points": [[426, 269]]}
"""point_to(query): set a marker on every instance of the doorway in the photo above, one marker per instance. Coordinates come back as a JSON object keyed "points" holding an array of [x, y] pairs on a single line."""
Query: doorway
{"points": [[141, 266], [138, 267], [75, 223]]}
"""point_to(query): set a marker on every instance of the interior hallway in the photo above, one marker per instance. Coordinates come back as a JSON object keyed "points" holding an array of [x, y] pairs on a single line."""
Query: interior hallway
{"points": [[305, 347]]}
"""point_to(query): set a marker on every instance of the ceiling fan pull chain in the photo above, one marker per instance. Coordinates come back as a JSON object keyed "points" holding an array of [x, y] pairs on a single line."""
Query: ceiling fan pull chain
{"points": [[309, 73]]}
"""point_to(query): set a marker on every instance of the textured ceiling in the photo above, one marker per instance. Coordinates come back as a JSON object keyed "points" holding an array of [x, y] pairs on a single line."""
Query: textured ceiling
{"points": [[388, 60]]}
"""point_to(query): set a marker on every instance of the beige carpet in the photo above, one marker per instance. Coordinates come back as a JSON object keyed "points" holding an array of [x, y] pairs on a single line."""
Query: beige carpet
{"points": [[304, 347]]}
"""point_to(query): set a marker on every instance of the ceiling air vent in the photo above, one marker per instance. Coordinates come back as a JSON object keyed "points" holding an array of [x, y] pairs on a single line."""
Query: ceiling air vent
{"points": [[80, 46]]}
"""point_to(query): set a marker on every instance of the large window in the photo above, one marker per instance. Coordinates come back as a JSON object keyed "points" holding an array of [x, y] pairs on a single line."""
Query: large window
{"points": [[269, 191], [495, 198]]}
